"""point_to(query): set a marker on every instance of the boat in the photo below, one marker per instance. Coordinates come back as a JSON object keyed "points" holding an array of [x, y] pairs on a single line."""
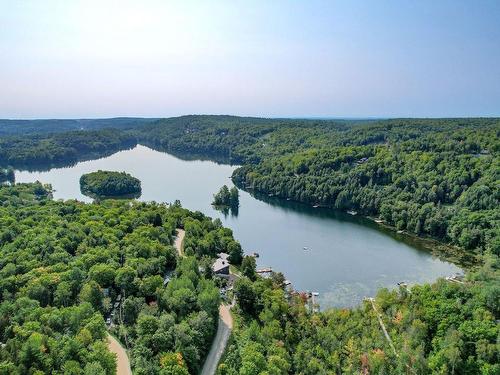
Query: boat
{"points": [[305, 248], [352, 212], [400, 231], [378, 221], [316, 206]]}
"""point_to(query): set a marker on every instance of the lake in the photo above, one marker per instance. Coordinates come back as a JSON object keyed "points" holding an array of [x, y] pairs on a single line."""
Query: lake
{"points": [[347, 258]]}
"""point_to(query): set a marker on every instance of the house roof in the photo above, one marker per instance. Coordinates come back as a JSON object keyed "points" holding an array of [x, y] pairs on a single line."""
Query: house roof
{"points": [[219, 265], [223, 256]]}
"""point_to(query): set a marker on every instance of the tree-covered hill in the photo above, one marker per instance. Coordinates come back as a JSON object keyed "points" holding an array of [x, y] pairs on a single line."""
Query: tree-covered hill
{"points": [[43, 151], [13, 127]]}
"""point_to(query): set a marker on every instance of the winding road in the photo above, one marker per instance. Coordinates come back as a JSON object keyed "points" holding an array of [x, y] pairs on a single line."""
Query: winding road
{"points": [[223, 328], [122, 360], [218, 346]]}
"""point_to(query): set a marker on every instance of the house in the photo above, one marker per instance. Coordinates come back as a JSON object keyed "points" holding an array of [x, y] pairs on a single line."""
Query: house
{"points": [[221, 264]]}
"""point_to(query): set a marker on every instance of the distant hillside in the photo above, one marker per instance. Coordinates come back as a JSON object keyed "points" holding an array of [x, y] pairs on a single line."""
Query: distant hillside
{"points": [[12, 127]]}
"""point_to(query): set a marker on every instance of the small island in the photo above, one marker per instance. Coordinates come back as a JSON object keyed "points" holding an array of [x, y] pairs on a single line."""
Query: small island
{"points": [[227, 199], [108, 184]]}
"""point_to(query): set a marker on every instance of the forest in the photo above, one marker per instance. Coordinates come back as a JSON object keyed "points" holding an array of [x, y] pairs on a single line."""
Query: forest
{"points": [[65, 265], [103, 184]]}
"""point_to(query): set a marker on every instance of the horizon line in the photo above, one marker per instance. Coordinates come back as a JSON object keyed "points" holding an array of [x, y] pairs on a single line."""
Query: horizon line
{"points": [[305, 117]]}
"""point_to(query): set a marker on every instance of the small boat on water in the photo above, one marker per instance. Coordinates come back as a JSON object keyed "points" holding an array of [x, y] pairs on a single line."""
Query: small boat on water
{"points": [[316, 206], [378, 221], [400, 231], [305, 248], [352, 212]]}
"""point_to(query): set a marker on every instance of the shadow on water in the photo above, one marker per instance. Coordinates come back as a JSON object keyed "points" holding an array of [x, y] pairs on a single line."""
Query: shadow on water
{"points": [[189, 156], [227, 211], [46, 166]]}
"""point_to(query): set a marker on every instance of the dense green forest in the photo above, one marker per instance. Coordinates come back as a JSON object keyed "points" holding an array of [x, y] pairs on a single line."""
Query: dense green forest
{"points": [[429, 177], [104, 184], [64, 264]]}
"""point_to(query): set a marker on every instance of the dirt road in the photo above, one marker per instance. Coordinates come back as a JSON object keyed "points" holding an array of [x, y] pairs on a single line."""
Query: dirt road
{"points": [[178, 241], [123, 364], [220, 341]]}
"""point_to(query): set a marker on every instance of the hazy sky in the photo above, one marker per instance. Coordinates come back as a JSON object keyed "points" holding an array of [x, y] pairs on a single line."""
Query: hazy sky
{"points": [[73, 58]]}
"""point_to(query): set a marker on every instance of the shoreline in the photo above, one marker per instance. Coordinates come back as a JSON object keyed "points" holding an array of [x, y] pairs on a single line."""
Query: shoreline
{"points": [[443, 251]]}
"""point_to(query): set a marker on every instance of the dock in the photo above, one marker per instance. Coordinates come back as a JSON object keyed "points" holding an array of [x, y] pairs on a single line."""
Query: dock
{"points": [[265, 270]]}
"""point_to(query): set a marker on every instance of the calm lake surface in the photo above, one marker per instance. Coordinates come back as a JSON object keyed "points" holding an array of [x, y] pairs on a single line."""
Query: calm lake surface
{"points": [[347, 259]]}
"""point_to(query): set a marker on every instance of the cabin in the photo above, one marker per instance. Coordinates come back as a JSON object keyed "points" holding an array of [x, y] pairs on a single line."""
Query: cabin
{"points": [[221, 265]]}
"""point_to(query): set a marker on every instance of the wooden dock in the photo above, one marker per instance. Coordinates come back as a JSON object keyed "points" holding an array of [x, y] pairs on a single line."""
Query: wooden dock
{"points": [[265, 270]]}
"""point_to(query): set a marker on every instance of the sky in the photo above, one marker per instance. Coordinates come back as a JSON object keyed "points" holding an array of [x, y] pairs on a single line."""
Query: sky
{"points": [[310, 58]]}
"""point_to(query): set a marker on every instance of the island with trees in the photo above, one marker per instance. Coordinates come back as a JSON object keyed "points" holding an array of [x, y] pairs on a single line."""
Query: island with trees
{"points": [[227, 199], [109, 184]]}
